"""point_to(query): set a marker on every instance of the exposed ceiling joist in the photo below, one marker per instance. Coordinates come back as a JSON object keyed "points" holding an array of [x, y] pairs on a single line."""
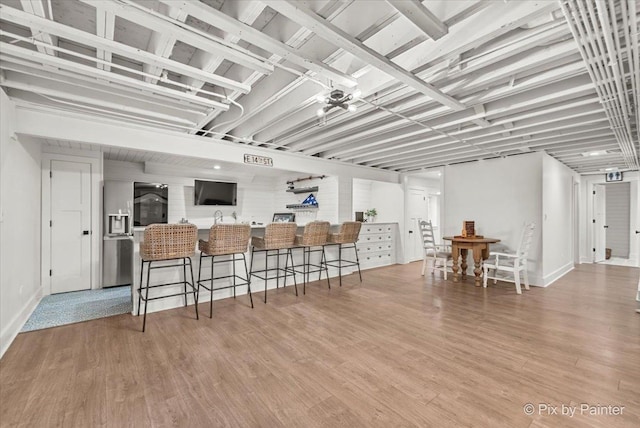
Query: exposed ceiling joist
{"points": [[105, 27], [36, 7], [255, 37], [23, 18], [421, 17], [162, 43], [174, 27], [48, 60], [340, 38]]}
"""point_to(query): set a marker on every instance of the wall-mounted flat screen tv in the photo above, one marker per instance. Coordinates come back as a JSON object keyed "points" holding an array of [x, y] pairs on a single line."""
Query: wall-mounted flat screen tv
{"points": [[215, 193]]}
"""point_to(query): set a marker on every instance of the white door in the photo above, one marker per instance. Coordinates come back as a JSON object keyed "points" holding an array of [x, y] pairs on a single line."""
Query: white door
{"points": [[417, 211], [600, 217], [70, 226]]}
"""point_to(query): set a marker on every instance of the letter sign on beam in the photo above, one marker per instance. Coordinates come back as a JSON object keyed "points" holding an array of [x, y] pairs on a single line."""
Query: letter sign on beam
{"points": [[258, 160]]}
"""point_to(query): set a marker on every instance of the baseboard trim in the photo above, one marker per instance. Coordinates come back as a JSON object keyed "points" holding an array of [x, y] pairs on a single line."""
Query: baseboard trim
{"points": [[8, 335], [557, 274]]}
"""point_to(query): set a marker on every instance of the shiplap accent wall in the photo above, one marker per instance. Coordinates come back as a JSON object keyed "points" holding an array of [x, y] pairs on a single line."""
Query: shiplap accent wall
{"points": [[255, 197], [617, 212], [362, 195]]}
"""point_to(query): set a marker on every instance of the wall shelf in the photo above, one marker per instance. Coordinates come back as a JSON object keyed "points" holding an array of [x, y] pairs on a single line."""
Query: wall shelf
{"points": [[304, 190], [302, 207]]}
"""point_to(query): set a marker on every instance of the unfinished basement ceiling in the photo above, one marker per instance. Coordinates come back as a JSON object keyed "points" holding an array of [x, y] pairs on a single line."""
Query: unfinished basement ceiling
{"points": [[440, 82]]}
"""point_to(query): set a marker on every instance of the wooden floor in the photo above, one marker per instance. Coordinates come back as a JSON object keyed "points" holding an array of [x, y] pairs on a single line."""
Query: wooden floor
{"points": [[397, 350]]}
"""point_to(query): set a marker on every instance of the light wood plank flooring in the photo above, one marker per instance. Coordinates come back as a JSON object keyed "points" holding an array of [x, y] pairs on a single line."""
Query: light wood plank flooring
{"points": [[397, 350]]}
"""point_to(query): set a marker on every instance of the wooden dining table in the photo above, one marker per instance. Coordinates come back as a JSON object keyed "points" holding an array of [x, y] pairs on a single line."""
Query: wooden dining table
{"points": [[460, 247]]}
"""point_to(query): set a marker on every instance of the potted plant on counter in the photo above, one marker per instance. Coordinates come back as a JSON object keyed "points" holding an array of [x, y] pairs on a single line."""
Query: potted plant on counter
{"points": [[371, 214]]}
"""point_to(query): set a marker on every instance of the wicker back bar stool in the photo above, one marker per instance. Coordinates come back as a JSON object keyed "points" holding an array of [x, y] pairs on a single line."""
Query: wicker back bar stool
{"points": [[346, 238], [313, 240], [166, 242], [229, 242], [277, 237]]}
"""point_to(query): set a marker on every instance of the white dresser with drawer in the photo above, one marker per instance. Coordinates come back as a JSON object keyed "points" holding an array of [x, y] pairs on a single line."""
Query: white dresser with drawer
{"points": [[377, 244]]}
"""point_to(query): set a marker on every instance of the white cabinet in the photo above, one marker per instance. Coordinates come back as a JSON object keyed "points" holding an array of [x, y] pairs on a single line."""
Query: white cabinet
{"points": [[377, 244]]}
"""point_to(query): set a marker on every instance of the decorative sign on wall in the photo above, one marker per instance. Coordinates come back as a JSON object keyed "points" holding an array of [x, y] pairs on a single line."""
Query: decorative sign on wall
{"points": [[258, 160], [614, 176]]}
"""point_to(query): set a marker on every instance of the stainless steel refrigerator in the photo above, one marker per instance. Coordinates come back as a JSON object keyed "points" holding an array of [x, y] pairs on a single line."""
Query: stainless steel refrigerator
{"points": [[117, 242]]}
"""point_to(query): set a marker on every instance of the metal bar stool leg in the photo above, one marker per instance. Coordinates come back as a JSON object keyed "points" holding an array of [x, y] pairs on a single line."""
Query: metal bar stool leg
{"points": [[140, 286], [146, 298], [340, 263], [266, 258], [295, 284], [199, 275], [244, 259], [357, 261], [233, 262], [326, 268], [184, 277], [211, 291], [195, 294], [304, 270]]}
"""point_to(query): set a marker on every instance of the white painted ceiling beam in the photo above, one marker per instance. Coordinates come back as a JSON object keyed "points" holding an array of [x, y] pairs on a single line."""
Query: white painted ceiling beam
{"points": [[477, 96], [101, 95], [299, 38], [553, 136], [477, 137], [161, 43], [147, 18], [67, 96], [7, 50], [255, 37], [105, 27], [372, 134], [22, 18], [421, 17], [247, 12], [36, 7], [340, 38], [8, 64]]}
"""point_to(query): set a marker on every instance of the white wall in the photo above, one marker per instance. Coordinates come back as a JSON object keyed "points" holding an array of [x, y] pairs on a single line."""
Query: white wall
{"points": [[20, 289], [557, 219], [501, 196]]}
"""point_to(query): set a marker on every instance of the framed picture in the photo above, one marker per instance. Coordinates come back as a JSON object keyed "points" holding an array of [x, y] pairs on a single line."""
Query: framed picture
{"points": [[284, 217], [614, 176]]}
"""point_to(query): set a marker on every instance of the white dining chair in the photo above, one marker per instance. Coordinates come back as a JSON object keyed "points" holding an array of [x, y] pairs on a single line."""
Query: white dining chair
{"points": [[439, 255], [507, 266]]}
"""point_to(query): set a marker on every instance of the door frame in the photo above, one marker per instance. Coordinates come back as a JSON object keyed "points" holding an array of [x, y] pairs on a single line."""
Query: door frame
{"points": [[590, 181], [95, 164]]}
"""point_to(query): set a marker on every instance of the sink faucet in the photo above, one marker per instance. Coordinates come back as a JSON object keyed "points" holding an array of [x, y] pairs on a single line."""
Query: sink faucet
{"points": [[217, 216]]}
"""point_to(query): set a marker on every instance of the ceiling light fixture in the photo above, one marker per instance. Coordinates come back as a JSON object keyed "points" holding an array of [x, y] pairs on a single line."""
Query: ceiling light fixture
{"points": [[217, 167], [337, 98], [594, 153]]}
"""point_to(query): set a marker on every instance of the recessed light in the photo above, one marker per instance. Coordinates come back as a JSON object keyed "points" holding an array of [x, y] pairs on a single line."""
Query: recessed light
{"points": [[217, 167]]}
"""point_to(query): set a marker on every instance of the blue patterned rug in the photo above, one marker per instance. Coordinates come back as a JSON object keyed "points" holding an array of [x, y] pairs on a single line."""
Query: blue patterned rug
{"points": [[68, 308]]}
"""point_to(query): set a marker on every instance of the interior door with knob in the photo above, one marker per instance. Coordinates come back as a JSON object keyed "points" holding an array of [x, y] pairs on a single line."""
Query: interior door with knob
{"points": [[70, 226], [417, 211]]}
